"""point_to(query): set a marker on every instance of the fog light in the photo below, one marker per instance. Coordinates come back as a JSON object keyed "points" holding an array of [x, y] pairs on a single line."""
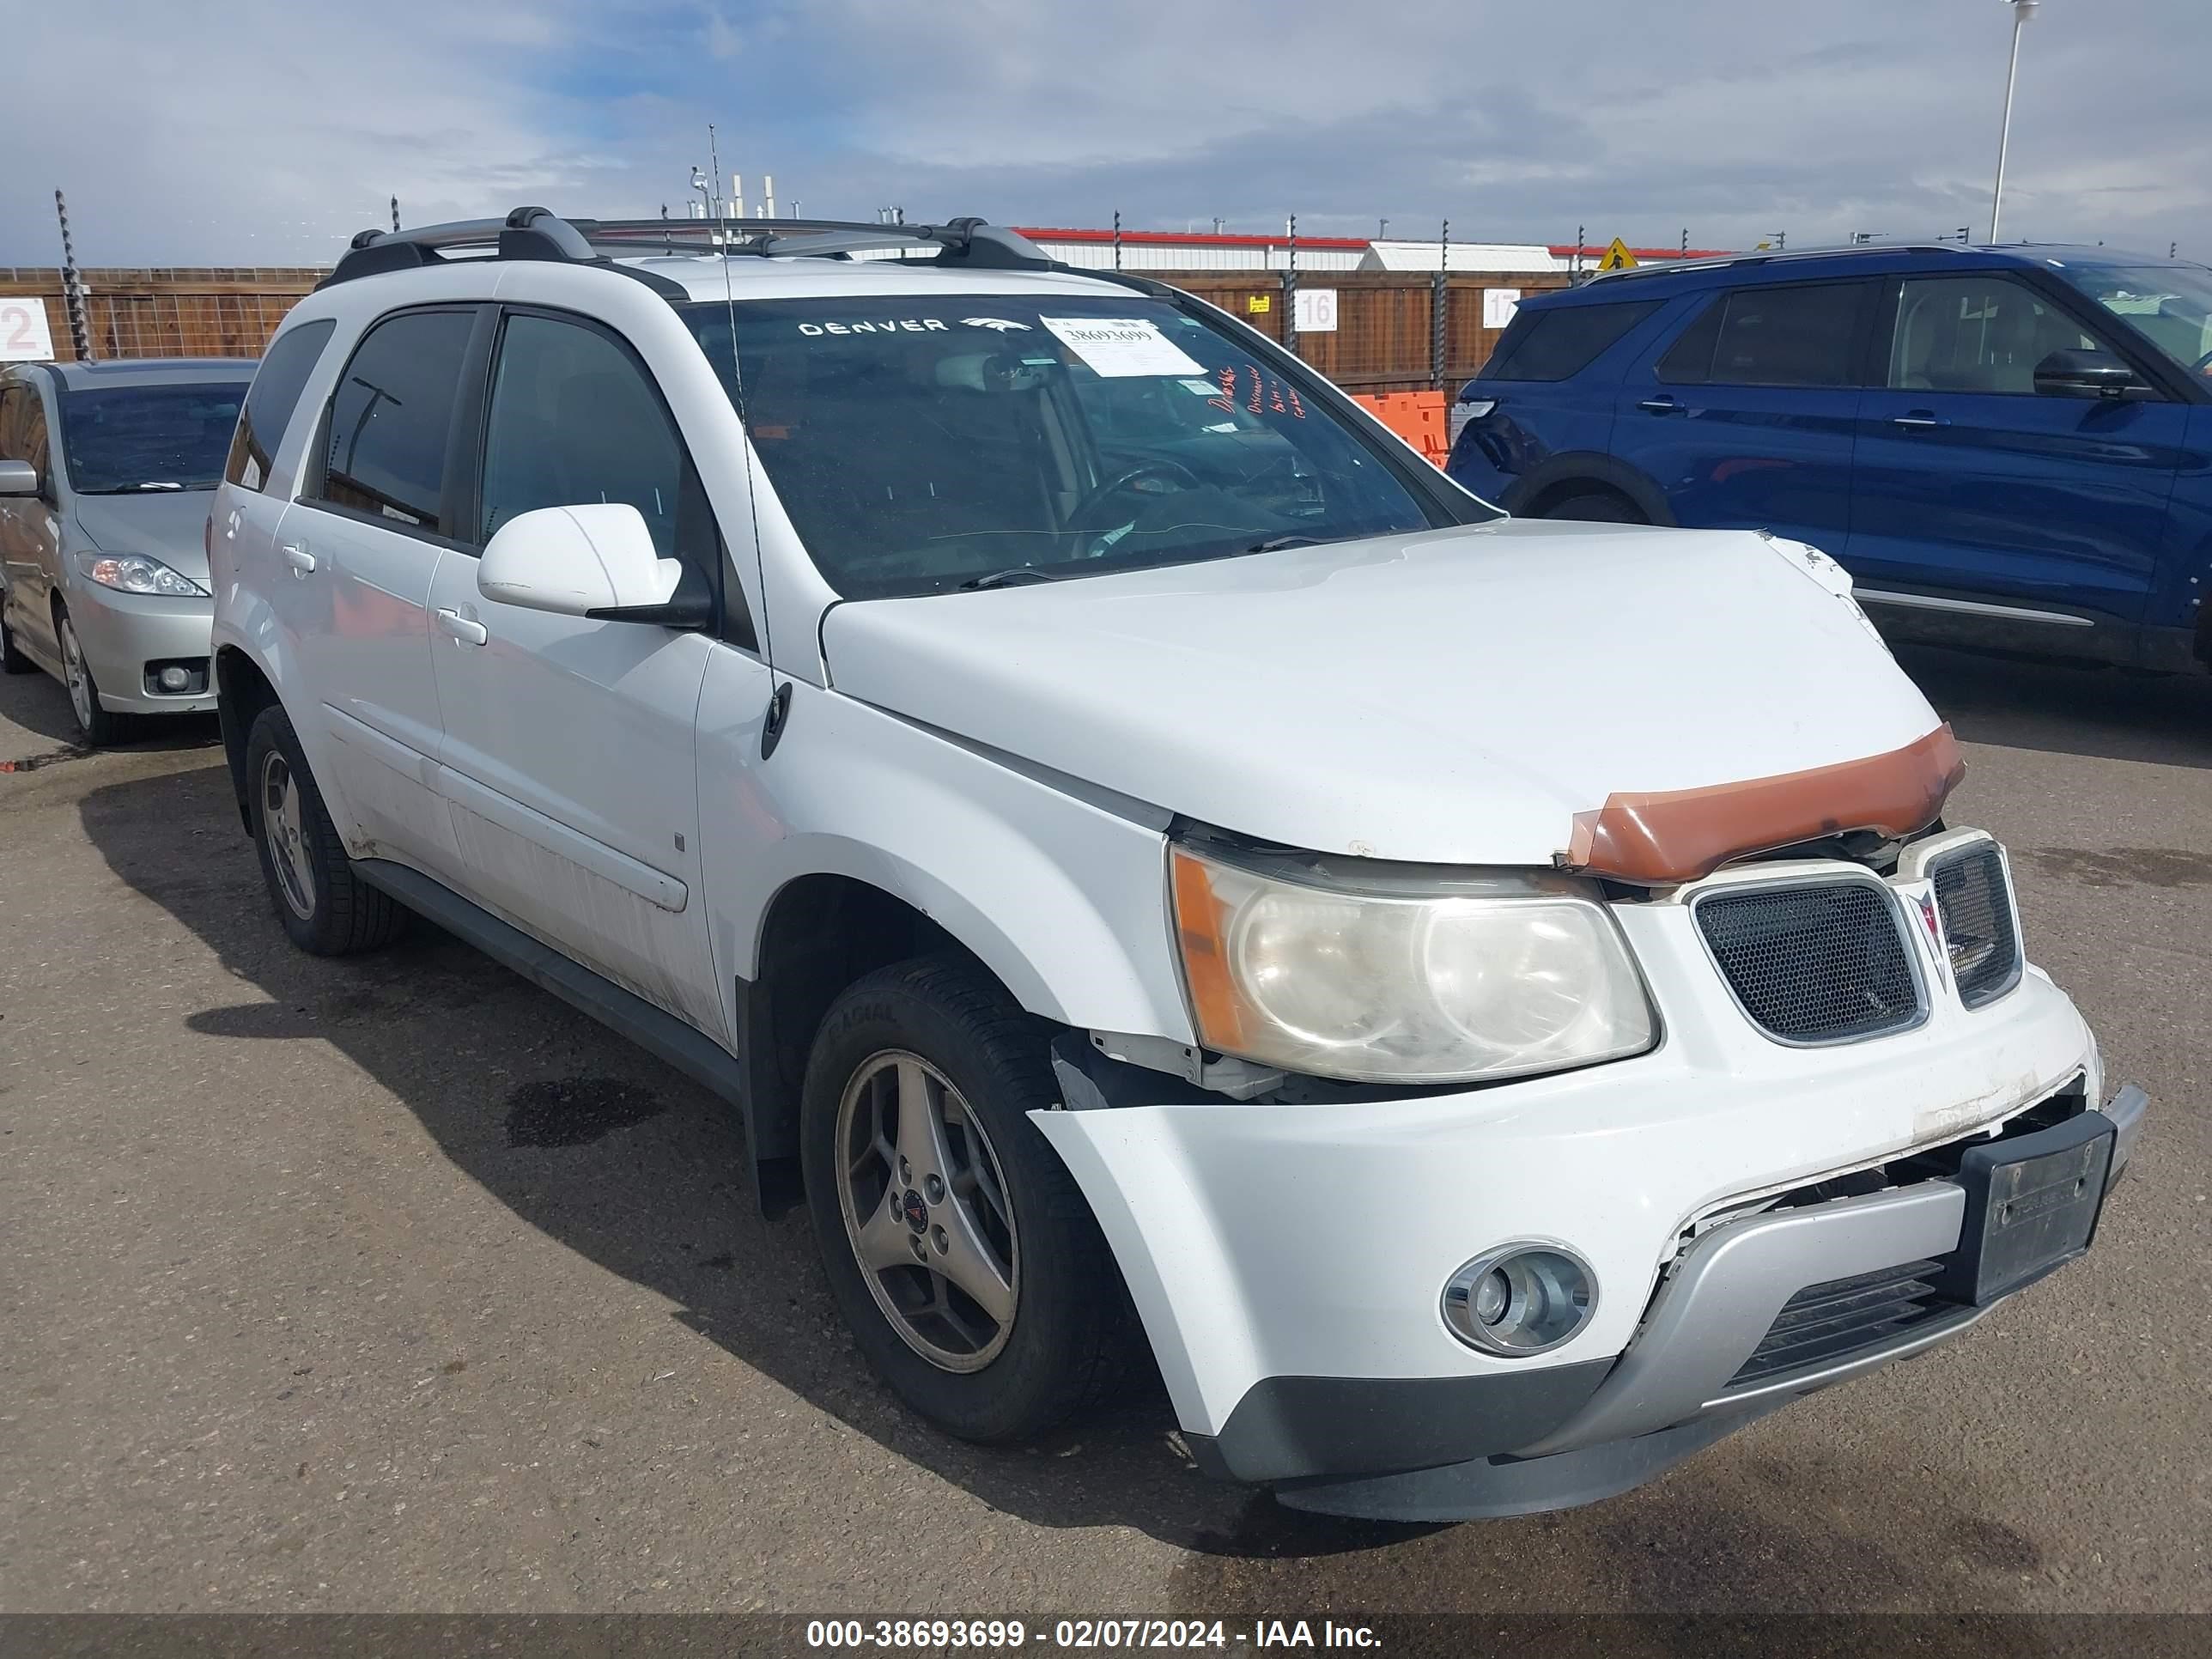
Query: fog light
{"points": [[174, 678], [1519, 1299]]}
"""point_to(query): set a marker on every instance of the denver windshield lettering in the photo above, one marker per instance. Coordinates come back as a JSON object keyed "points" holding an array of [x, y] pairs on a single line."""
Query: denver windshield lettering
{"points": [[903, 325]]}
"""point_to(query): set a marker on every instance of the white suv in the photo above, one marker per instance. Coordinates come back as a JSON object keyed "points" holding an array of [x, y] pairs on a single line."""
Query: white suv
{"points": [[1494, 1005]]}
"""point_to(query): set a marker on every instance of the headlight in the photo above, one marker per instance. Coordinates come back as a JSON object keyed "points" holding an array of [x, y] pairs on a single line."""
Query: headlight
{"points": [[1387, 975], [134, 573]]}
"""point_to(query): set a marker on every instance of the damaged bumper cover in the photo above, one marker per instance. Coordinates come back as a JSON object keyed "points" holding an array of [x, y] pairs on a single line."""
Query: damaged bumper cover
{"points": [[1288, 1259]]}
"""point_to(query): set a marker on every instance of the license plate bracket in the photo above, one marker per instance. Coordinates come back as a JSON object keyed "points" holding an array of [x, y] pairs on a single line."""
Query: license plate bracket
{"points": [[2031, 1207]]}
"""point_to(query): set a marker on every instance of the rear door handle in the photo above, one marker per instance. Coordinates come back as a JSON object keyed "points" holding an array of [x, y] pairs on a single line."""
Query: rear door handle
{"points": [[1918, 419], [302, 560], [1661, 405], [467, 632]]}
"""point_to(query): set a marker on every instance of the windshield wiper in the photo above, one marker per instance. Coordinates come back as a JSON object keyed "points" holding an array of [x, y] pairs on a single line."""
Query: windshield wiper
{"points": [[1277, 544], [1020, 572], [137, 488]]}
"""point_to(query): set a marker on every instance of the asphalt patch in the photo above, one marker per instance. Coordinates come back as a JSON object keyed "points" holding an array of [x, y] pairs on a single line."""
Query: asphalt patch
{"points": [[576, 1111], [2124, 867]]}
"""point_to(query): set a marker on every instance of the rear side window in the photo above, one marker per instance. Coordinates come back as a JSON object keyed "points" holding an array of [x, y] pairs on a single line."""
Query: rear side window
{"points": [[1799, 336], [269, 404], [1561, 341], [391, 417]]}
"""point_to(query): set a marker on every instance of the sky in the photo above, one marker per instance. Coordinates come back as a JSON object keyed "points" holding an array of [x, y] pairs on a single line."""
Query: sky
{"points": [[265, 132]]}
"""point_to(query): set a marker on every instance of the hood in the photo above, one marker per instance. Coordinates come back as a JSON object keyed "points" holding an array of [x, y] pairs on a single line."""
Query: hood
{"points": [[1459, 696], [168, 525]]}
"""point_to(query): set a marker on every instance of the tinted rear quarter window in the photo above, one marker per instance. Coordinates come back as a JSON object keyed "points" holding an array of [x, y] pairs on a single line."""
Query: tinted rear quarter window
{"points": [[1798, 336], [269, 403], [391, 416], [1559, 341]]}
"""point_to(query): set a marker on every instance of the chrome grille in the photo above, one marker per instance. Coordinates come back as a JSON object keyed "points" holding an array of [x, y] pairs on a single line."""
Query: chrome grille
{"points": [[1844, 1316], [1815, 961], [1980, 933]]}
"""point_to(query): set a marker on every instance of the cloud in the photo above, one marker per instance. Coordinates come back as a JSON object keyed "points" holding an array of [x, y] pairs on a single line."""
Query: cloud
{"points": [[267, 132]]}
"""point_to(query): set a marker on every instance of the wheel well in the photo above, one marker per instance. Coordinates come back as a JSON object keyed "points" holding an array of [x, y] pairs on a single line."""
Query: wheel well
{"points": [[1567, 489], [242, 691], [821, 933]]}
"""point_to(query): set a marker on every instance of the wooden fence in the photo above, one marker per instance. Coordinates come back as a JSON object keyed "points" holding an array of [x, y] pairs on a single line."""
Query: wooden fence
{"points": [[221, 311], [1383, 338], [1383, 341]]}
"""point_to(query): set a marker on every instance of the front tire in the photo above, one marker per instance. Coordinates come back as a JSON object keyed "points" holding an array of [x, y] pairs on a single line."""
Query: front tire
{"points": [[99, 729], [960, 1250], [325, 908]]}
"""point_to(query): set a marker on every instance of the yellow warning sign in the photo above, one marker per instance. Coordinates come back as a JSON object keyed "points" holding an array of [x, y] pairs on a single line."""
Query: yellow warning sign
{"points": [[1618, 257], [1257, 303]]}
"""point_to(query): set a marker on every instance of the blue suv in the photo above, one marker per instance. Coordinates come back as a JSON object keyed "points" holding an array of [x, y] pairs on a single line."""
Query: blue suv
{"points": [[2006, 447]]}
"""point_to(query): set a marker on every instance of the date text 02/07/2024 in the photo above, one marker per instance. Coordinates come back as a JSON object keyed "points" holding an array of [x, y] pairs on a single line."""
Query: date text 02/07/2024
{"points": [[1080, 1634]]}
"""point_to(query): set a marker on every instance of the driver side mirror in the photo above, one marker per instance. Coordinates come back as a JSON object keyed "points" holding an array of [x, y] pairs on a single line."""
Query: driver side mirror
{"points": [[595, 561], [2078, 373], [18, 478]]}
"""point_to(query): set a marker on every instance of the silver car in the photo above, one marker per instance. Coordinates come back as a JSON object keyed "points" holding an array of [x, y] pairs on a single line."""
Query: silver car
{"points": [[105, 471]]}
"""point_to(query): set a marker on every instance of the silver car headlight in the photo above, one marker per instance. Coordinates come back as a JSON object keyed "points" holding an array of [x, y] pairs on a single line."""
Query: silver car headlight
{"points": [[134, 573], [1394, 974]]}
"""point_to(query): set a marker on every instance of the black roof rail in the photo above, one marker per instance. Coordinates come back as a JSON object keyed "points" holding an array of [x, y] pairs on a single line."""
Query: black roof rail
{"points": [[536, 232], [1773, 256]]}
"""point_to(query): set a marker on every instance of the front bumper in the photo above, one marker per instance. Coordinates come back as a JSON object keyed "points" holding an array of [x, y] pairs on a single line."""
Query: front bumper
{"points": [[1287, 1260], [121, 632], [1677, 1388]]}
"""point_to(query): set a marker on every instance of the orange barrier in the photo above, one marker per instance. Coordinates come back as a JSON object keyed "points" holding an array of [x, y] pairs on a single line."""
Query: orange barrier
{"points": [[1416, 416]]}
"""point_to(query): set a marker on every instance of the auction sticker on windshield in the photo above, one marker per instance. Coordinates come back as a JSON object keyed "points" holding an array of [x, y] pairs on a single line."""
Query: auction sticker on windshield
{"points": [[1117, 347]]}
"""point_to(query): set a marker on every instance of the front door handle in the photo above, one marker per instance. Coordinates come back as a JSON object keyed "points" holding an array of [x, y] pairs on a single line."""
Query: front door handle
{"points": [[302, 560], [1918, 419], [1662, 405], [467, 632]]}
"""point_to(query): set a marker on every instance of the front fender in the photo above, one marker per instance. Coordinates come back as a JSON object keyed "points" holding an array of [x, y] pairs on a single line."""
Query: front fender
{"points": [[1063, 898]]}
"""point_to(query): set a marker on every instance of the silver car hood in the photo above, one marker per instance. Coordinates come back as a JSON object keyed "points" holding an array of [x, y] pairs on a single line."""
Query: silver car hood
{"points": [[168, 525]]}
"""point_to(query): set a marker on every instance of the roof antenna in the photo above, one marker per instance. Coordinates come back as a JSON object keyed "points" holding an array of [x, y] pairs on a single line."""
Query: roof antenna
{"points": [[779, 696], [395, 216], [714, 162]]}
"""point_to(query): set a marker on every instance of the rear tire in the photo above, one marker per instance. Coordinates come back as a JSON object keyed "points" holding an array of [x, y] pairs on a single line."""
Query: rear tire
{"points": [[325, 908], [941, 1021], [1596, 507], [12, 661]]}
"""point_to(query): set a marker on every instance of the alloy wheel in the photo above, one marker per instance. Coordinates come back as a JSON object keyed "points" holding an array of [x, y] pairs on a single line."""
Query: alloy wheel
{"points": [[283, 823], [927, 1210], [78, 676]]}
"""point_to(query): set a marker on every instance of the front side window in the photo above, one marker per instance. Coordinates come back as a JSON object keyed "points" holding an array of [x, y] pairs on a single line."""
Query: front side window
{"points": [[920, 443], [24, 427], [1798, 336], [271, 400], [2170, 306], [11, 422], [390, 418], [1557, 342], [122, 440], [1982, 333], [574, 422]]}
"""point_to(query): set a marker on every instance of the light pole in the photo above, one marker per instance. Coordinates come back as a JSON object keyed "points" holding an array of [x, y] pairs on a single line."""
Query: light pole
{"points": [[2021, 11]]}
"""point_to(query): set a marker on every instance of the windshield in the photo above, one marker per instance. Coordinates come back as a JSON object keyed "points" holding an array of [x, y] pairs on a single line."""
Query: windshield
{"points": [[923, 443], [2171, 306], [125, 438]]}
